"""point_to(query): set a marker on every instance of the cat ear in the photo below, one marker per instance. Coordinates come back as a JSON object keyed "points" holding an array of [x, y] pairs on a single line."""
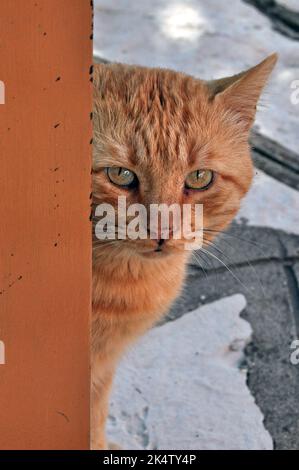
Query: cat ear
{"points": [[241, 92]]}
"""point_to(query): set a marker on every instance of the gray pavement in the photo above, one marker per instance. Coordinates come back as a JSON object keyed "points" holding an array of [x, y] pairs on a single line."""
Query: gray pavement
{"points": [[268, 277], [282, 14]]}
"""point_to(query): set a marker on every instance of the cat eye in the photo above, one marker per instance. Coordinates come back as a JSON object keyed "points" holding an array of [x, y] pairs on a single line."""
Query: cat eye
{"points": [[199, 179], [122, 177]]}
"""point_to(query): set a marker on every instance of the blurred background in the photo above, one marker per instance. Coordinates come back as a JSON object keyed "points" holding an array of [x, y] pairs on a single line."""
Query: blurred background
{"points": [[218, 372]]}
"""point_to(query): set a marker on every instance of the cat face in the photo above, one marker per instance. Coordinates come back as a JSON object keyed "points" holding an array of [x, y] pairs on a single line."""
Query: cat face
{"points": [[161, 137]]}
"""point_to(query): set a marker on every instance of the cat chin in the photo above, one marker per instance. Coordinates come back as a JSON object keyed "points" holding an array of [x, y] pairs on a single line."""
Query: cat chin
{"points": [[155, 254]]}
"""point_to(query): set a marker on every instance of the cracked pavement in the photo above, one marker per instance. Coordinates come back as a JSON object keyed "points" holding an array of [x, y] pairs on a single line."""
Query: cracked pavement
{"points": [[269, 274]]}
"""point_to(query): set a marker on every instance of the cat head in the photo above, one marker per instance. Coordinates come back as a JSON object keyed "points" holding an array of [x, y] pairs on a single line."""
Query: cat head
{"points": [[162, 137]]}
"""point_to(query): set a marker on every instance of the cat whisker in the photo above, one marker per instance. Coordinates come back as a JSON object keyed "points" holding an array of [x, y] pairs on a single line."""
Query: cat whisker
{"points": [[229, 270], [198, 259], [219, 232], [246, 260], [210, 243], [206, 259]]}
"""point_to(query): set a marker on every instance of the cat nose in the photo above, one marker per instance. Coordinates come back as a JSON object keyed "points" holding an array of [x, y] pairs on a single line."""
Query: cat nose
{"points": [[160, 235]]}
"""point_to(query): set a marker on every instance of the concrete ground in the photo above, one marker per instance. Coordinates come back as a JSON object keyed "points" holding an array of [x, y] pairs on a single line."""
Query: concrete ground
{"points": [[270, 277], [225, 379]]}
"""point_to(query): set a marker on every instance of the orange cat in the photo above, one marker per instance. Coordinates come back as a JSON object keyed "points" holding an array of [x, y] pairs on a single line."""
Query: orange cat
{"points": [[160, 137]]}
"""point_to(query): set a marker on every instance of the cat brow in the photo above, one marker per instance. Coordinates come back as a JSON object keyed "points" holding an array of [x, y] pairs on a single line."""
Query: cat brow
{"points": [[101, 161], [200, 154], [114, 155]]}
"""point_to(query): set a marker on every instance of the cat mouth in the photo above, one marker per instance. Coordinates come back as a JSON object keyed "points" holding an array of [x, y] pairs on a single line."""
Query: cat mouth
{"points": [[158, 249], [157, 253]]}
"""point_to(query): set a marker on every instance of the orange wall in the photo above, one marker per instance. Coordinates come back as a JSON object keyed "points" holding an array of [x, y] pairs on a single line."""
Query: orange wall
{"points": [[45, 247]]}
